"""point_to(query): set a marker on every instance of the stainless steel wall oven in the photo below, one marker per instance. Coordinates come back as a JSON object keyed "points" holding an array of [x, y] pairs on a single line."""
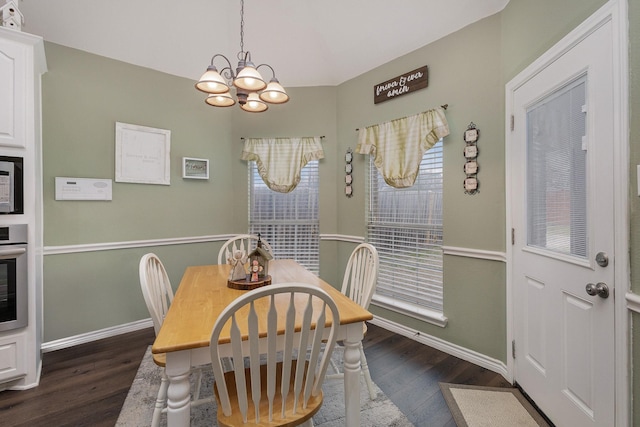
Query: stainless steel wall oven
{"points": [[13, 277]]}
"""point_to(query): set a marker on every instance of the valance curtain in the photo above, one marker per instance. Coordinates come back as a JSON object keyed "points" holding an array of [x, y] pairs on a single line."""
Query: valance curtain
{"points": [[398, 145], [280, 160]]}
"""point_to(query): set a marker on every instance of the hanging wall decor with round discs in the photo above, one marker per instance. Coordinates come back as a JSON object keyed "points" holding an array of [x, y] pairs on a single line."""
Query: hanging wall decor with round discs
{"points": [[471, 136], [348, 169]]}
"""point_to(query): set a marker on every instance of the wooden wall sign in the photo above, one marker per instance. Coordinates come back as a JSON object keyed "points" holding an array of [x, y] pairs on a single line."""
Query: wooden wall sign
{"points": [[401, 85]]}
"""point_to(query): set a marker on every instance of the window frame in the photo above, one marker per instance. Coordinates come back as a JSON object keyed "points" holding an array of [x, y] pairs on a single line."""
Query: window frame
{"points": [[419, 299], [290, 238]]}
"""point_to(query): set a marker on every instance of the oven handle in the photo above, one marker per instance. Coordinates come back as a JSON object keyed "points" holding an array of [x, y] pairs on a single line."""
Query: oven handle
{"points": [[12, 253]]}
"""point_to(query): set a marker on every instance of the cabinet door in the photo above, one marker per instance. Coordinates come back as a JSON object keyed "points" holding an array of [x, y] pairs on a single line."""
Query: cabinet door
{"points": [[12, 94], [12, 357]]}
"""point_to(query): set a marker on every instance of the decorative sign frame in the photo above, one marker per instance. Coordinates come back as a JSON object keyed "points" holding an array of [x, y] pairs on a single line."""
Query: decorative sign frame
{"points": [[193, 168], [401, 85], [348, 169], [470, 153], [142, 154]]}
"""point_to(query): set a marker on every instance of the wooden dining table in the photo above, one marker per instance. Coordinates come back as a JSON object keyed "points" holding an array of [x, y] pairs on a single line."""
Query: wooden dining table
{"points": [[203, 294]]}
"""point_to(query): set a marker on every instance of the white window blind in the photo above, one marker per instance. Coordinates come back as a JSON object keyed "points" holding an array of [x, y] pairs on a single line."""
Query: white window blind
{"points": [[288, 221], [556, 172], [405, 225]]}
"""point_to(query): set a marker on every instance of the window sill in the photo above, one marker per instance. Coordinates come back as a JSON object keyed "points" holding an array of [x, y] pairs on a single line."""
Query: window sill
{"points": [[424, 314]]}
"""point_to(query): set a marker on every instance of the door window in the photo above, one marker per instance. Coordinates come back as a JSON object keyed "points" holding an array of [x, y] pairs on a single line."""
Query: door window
{"points": [[556, 172]]}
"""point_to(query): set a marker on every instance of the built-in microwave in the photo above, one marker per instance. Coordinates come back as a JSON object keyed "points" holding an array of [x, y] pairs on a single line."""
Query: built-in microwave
{"points": [[11, 185]]}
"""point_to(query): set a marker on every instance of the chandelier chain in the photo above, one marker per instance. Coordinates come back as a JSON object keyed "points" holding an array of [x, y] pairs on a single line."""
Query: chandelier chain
{"points": [[241, 29]]}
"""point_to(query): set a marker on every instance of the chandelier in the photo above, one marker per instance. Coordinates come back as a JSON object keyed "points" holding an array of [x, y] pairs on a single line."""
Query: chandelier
{"points": [[252, 92]]}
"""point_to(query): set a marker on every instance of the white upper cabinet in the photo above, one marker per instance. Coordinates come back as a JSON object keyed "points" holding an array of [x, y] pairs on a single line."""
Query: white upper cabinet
{"points": [[22, 62], [13, 85]]}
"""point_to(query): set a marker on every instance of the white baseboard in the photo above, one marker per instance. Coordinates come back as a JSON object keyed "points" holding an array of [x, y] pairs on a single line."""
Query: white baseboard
{"points": [[474, 357], [96, 335]]}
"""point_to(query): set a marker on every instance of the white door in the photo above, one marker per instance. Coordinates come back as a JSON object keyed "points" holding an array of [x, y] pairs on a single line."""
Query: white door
{"points": [[563, 239]]}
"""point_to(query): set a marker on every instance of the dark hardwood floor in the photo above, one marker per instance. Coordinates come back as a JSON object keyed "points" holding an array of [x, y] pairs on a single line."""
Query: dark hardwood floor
{"points": [[86, 385], [408, 372]]}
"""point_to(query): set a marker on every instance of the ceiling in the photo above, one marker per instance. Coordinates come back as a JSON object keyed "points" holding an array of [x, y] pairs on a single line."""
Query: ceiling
{"points": [[308, 43]]}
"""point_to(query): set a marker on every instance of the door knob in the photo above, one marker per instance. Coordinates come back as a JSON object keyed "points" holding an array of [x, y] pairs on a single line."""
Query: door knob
{"points": [[601, 290], [602, 259]]}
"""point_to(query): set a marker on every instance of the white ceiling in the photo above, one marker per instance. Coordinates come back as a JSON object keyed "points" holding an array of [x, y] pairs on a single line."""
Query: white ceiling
{"points": [[308, 43]]}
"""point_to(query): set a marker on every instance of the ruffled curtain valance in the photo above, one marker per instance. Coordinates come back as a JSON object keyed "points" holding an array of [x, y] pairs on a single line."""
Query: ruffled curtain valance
{"points": [[398, 145], [280, 160]]}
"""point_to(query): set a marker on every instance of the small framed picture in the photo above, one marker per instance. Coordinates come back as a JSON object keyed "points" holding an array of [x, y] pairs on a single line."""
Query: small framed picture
{"points": [[471, 185], [470, 151], [471, 135], [348, 191], [195, 168], [348, 157], [143, 154], [471, 167]]}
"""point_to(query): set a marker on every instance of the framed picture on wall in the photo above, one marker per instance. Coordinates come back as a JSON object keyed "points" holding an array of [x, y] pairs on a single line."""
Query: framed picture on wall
{"points": [[142, 154], [193, 168]]}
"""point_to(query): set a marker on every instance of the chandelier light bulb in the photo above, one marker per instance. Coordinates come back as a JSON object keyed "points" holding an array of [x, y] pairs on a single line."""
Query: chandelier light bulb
{"points": [[220, 100], [274, 93], [249, 79], [212, 82], [254, 104]]}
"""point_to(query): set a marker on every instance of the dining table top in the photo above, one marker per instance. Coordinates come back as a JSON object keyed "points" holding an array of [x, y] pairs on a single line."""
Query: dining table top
{"points": [[203, 294]]}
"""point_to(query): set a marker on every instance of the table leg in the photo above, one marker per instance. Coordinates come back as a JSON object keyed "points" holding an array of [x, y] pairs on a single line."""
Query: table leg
{"points": [[352, 373], [178, 369]]}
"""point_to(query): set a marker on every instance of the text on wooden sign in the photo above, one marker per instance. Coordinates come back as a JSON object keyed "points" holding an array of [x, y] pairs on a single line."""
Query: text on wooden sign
{"points": [[401, 85]]}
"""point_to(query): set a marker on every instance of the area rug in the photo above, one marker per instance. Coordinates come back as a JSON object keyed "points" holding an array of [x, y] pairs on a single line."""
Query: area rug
{"points": [[138, 407], [473, 406]]}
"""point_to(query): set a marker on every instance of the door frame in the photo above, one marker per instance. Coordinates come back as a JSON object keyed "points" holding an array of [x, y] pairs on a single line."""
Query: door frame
{"points": [[616, 12]]}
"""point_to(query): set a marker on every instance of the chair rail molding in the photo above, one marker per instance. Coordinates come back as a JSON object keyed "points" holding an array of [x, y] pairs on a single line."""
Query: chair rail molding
{"points": [[342, 238], [107, 246], [633, 302], [475, 253]]}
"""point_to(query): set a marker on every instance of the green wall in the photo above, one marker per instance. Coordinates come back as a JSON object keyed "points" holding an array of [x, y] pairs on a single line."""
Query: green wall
{"points": [[84, 95], [464, 72], [530, 28]]}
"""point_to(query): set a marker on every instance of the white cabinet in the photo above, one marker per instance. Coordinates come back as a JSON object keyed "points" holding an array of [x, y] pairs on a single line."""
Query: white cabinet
{"points": [[13, 357], [22, 63], [13, 57]]}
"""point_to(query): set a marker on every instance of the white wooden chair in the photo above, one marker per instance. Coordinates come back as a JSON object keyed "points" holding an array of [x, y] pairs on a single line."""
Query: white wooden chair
{"points": [[359, 284], [158, 295], [283, 388], [243, 242]]}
